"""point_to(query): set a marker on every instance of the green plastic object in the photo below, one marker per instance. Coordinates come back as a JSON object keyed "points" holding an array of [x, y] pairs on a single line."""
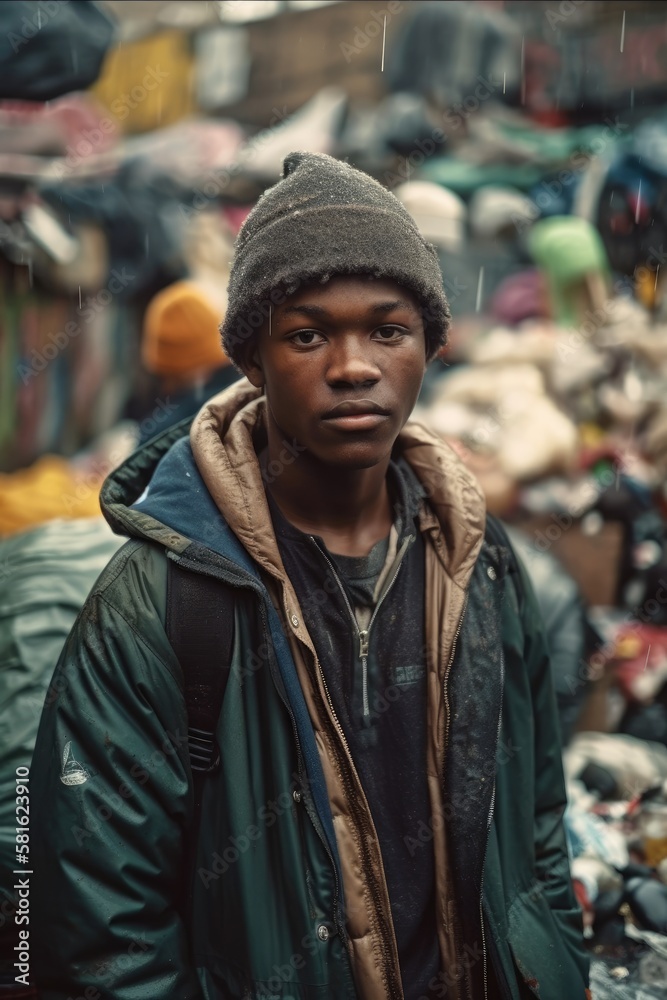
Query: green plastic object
{"points": [[567, 249]]}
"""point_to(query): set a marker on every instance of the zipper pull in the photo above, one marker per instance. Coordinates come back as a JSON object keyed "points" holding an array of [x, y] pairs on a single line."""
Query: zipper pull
{"points": [[363, 643]]}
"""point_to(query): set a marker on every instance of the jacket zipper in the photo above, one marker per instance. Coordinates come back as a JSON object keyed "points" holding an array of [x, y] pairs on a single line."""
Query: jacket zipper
{"points": [[301, 768], [351, 792], [449, 667], [488, 827], [364, 635], [446, 740], [481, 915]]}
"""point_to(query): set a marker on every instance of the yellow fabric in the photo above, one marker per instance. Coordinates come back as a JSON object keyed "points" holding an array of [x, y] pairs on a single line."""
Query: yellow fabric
{"points": [[146, 83], [181, 332], [645, 287], [48, 489]]}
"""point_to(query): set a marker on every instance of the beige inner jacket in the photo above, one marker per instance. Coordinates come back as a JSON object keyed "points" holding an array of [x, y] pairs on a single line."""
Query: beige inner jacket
{"points": [[452, 522]]}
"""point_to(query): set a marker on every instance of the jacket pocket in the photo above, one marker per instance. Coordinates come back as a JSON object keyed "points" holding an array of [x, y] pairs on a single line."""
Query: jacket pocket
{"points": [[545, 967]]}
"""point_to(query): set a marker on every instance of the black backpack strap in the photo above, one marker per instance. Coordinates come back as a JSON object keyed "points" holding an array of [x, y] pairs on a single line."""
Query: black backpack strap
{"points": [[200, 628]]}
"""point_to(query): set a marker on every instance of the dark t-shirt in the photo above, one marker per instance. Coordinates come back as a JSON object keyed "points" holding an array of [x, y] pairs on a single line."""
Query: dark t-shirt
{"points": [[361, 573], [388, 743]]}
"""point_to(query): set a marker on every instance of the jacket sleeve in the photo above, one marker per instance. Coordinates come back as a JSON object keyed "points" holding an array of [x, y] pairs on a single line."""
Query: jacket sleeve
{"points": [[112, 799], [552, 865]]}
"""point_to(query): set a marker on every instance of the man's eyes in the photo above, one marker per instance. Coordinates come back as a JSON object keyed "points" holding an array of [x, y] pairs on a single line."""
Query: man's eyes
{"points": [[306, 338], [391, 332]]}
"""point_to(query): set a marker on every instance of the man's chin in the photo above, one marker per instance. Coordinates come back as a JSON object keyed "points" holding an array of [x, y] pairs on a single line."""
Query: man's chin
{"points": [[356, 455]]}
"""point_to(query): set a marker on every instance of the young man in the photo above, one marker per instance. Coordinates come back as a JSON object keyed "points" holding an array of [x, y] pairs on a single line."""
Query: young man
{"points": [[383, 818]]}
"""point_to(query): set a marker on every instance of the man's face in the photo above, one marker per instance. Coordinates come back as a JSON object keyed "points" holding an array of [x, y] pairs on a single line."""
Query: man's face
{"points": [[342, 365]]}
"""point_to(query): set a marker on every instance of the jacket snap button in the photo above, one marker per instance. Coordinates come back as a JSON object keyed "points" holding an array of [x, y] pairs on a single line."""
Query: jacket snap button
{"points": [[296, 795], [491, 573], [295, 621], [323, 932]]}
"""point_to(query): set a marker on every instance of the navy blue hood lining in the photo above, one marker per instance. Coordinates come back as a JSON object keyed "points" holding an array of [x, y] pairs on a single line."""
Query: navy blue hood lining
{"points": [[177, 497]]}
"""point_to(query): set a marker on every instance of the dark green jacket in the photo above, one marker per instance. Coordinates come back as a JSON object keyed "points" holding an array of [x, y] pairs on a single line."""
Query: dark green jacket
{"points": [[288, 902]]}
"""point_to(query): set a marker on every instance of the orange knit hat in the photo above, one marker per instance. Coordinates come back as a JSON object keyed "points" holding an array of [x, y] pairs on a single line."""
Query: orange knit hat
{"points": [[181, 332]]}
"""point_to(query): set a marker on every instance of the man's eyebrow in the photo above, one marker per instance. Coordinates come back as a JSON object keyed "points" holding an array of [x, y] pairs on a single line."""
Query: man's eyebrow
{"points": [[319, 312], [385, 307]]}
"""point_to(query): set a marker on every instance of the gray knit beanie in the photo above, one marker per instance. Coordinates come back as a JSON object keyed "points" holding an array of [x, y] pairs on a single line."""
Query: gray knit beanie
{"points": [[325, 218]]}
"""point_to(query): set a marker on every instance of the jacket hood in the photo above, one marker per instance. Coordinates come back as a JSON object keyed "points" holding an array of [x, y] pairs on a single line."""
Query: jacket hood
{"points": [[207, 487]]}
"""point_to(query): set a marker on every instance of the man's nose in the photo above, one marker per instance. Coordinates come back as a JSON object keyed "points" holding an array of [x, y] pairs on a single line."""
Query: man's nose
{"points": [[352, 362]]}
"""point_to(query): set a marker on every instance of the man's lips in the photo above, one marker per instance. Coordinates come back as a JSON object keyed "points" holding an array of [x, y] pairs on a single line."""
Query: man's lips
{"points": [[356, 415], [355, 408]]}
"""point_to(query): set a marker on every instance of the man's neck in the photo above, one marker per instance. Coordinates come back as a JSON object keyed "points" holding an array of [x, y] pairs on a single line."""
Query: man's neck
{"points": [[350, 509]]}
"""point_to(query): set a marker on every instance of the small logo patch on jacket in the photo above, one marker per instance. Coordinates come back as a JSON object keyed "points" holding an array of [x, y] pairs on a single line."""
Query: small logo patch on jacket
{"points": [[72, 773], [408, 673]]}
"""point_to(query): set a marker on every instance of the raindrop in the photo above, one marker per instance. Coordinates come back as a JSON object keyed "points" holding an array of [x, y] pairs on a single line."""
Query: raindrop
{"points": [[39, 18], [384, 38], [655, 286], [480, 285], [79, 296], [638, 205], [623, 32], [504, 81]]}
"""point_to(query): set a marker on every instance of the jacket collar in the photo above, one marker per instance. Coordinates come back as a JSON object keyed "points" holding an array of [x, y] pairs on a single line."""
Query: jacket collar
{"points": [[224, 437], [222, 452]]}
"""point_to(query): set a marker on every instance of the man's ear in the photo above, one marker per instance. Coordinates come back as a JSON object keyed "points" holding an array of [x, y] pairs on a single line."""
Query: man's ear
{"points": [[252, 366]]}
